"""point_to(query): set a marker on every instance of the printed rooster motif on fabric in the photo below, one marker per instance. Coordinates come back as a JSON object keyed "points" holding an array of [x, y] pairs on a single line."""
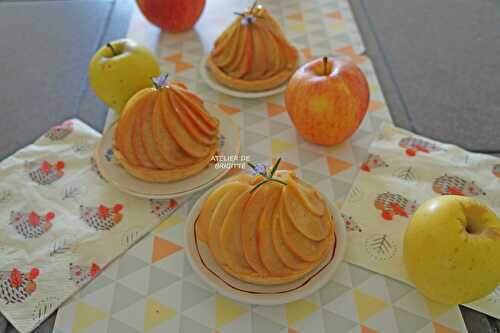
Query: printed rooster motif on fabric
{"points": [[414, 145], [44, 173], [101, 218], [162, 207], [373, 162], [16, 287], [80, 274], [391, 204], [60, 131], [457, 186], [31, 225]]}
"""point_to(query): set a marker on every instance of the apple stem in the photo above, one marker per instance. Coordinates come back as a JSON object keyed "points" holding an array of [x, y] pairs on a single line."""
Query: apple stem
{"points": [[325, 65], [112, 49]]}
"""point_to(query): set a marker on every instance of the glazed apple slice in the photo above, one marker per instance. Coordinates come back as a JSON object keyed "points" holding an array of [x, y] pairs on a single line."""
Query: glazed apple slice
{"points": [[267, 253], [249, 223], [288, 258], [145, 124], [233, 190], [196, 111], [310, 225], [307, 195], [230, 236], [182, 110], [169, 149], [300, 245], [123, 139], [178, 132]]}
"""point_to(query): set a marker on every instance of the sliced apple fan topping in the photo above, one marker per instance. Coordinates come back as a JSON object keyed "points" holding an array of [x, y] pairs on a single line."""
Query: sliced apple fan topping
{"points": [[266, 232], [253, 54], [165, 134]]}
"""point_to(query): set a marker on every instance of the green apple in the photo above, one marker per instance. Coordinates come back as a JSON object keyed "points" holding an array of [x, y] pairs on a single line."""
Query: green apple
{"points": [[452, 249], [120, 69]]}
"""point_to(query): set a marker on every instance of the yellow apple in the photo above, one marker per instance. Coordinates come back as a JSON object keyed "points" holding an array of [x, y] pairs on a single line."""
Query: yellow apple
{"points": [[452, 249], [120, 69]]}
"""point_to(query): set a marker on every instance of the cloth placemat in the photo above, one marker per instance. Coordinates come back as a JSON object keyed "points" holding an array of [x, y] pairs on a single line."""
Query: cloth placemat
{"points": [[149, 290], [406, 169], [61, 223]]}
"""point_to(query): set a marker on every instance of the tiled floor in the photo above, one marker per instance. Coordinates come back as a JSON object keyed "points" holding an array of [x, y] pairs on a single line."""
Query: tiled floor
{"points": [[440, 79]]}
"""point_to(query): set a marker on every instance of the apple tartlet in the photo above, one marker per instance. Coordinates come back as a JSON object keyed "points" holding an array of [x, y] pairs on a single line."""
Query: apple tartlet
{"points": [[266, 232], [165, 134], [253, 54]]}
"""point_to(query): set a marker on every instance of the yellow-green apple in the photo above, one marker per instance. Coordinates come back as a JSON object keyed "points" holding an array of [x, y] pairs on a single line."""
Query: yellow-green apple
{"points": [[120, 69], [452, 249], [327, 100], [172, 15]]}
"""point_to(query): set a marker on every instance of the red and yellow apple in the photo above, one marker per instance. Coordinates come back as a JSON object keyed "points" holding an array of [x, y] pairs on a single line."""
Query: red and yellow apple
{"points": [[452, 249], [172, 15], [327, 100]]}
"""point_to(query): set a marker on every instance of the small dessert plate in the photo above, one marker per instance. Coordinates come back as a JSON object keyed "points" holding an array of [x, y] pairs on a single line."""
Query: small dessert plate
{"points": [[114, 173], [205, 266], [210, 80]]}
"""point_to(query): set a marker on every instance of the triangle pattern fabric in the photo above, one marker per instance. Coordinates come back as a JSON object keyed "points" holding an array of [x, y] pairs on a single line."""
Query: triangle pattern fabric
{"points": [[156, 313], [337, 324], [116, 326], [162, 248], [409, 322], [86, 316], [367, 305], [299, 310], [123, 297], [159, 279], [227, 310], [192, 295], [263, 325]]}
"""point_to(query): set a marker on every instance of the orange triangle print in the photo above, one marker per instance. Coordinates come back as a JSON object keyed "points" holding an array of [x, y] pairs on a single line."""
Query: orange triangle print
{"points": [[274, 109], [228, 109], [335, 165], [162, 248], [346, 50], [349, 51], [442, 329], [182, 66], [365, 329], [174, 57], [375, 106], [296, 16], [306, 52], [336, 15]]}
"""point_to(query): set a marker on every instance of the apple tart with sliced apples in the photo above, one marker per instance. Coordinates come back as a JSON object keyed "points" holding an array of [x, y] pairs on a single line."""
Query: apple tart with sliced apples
{"points": [[165, 134], [253, 54], [266, 230]]}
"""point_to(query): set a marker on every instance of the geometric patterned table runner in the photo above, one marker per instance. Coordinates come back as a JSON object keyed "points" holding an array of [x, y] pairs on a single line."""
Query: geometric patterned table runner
{"points": [[152, 287]]}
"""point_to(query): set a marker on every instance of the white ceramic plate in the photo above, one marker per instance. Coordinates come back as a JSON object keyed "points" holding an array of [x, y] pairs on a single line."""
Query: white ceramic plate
{"points": [[112, 171], [205, 266], [212, 82]]}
